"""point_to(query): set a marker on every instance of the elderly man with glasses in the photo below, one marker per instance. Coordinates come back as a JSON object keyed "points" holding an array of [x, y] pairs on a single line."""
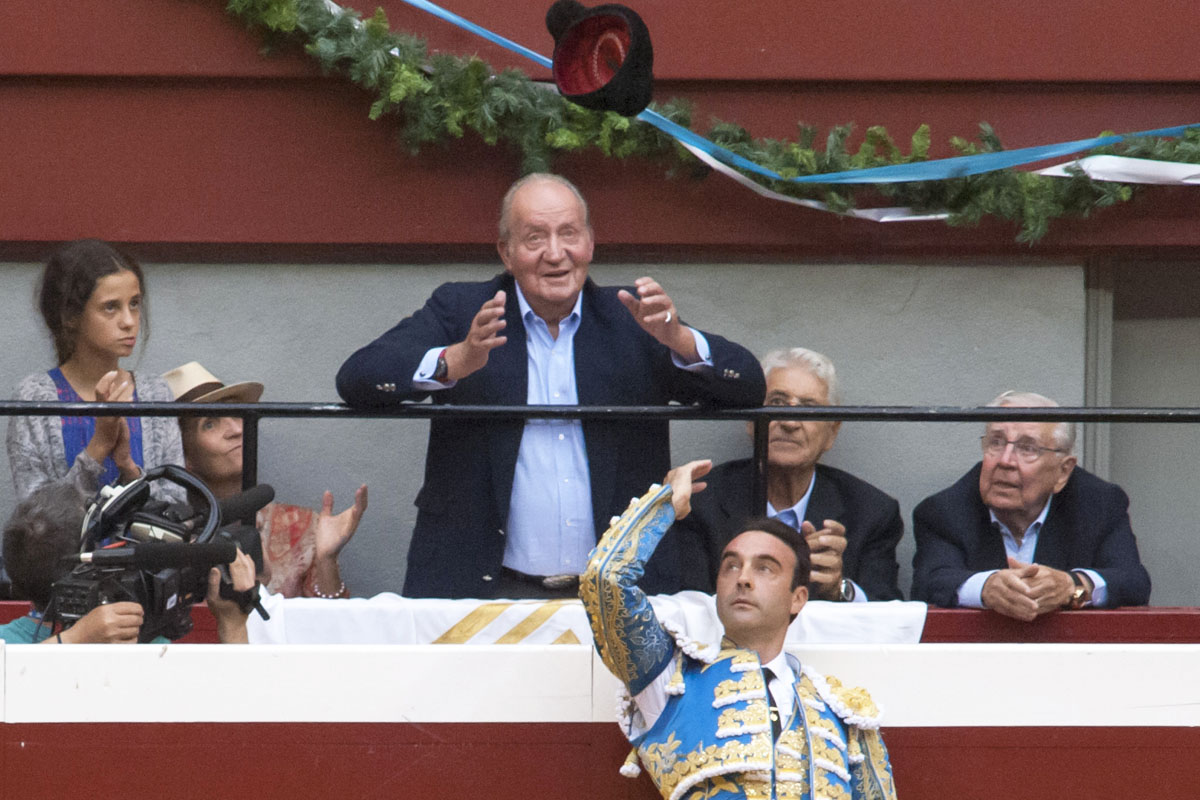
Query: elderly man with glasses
{"points": [[852, 527], [1026, 531]]}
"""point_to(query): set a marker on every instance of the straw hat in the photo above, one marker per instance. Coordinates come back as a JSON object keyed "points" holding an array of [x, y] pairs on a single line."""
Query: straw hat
{"points": [[192, 383]]}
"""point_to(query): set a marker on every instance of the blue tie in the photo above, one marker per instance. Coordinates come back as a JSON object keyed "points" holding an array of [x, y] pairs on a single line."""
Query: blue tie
{"points": [[788, 517]]}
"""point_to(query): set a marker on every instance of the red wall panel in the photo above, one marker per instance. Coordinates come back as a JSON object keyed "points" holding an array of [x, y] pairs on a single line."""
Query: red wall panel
{"points": [[264, 761], [870, 40]]}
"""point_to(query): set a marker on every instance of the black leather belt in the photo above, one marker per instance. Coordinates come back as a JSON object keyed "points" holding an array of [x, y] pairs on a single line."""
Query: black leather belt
{"points": [[553, 582]]}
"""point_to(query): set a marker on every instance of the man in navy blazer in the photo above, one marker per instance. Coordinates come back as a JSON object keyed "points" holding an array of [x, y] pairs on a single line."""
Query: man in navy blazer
{"points": [[851, 526], [1027, 532], [512, 507]]}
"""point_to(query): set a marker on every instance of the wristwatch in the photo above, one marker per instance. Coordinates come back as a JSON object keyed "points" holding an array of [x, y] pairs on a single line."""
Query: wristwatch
{"points": [[1079, 595], [846, 591], [442, 370]]}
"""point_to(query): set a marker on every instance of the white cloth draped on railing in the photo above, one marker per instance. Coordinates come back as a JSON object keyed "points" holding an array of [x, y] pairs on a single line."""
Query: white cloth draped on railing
{"points": [[392, 619]]}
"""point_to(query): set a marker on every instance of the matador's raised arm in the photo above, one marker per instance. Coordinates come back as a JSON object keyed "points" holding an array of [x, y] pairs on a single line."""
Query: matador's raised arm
{"points": [[628, 636]]}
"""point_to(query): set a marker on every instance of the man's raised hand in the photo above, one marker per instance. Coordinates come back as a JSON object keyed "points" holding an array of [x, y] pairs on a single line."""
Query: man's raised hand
{"points": [[655, 312], [683, 481], [471, 354], [826, 547]]}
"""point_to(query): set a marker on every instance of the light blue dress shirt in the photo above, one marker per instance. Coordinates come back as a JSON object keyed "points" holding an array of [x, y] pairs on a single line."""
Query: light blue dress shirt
{"points": [[970, 594], [551, 486], [794, 517], [552, 489]]}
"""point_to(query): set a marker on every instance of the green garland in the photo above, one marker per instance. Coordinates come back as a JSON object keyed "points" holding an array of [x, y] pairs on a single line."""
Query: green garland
{"points": [[440, 95]]}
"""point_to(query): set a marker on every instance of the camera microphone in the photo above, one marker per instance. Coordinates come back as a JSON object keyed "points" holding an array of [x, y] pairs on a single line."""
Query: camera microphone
{"points": [[242, 507], [156, 556], [176, 523]]}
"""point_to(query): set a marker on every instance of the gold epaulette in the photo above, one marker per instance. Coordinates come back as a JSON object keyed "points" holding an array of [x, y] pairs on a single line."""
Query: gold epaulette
{"points": [[852, 704]]}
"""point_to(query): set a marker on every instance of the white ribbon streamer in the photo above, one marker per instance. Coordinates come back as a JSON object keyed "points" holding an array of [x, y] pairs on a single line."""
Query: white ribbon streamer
{"points": [[1121, 169], [891, 214]]}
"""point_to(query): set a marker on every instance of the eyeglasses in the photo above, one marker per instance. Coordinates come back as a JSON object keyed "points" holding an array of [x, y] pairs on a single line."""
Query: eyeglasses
{"points": [[780, 400], [1027, 450]]}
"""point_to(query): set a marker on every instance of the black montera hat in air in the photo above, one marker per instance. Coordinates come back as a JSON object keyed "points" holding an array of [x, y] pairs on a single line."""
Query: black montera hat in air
{"points": [[602, 56]]}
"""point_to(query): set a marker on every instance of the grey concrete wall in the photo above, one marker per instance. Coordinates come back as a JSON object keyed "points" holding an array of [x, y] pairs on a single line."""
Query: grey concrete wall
{"points": [[899, 334], [1156, 362]]}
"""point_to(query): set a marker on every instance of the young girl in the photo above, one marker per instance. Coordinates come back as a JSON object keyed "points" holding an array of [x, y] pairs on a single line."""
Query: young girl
{"points": [[92, 299]]}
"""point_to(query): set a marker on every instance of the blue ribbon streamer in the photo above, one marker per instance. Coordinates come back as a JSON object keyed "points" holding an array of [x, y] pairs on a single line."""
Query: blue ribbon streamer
{"points": [[937, 170], [467, 25]]}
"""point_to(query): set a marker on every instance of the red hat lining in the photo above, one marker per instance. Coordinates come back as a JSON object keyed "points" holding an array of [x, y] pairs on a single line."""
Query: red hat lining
{"points": [[591, 54]]}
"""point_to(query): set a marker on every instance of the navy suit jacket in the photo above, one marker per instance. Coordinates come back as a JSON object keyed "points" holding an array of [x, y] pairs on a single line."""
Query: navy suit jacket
{"points": [[872, 520], [1087, 528], [462, 508]]}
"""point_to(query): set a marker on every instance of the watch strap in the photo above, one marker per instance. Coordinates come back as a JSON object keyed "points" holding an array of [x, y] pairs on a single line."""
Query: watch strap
{"points": [[1079, 595], [846, 591], [442, 370]]}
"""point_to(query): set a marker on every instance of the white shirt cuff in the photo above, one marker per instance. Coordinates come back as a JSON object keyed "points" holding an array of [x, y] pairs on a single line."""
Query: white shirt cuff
{"points": [[423, 377], [970, 594], [1099, 587], [702, 349], [860, 596]]}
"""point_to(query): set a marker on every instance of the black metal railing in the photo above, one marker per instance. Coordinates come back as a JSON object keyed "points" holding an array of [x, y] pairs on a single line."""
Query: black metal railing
{"points": [[761, 417]]}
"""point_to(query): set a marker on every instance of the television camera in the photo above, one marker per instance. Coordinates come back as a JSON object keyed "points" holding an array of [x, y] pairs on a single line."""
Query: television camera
{"points": [[158, 555]]}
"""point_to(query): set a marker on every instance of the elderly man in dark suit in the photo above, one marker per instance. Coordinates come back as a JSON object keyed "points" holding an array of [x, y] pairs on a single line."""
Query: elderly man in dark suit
{"points": [[511, 508], [1027, 532], [852, 528]]}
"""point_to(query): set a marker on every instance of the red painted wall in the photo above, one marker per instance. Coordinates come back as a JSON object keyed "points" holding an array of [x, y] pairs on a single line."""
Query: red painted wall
{"points": [[157, 121], [265, 761]]}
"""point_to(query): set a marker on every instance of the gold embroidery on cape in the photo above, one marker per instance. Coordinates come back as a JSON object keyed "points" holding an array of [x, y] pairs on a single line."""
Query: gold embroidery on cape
{"points": [[853, 751], [792, 741], [827, 784], [659, 758], [825, 788], [786, 763], [756, 713], [668, 767], [875, 782], [791, 790], [743, 659], [728, 689], [756, 790], [857, 699], [676, 685], [712, 787], [730, 651], [876, 751], [824, 750], [815, 720]]}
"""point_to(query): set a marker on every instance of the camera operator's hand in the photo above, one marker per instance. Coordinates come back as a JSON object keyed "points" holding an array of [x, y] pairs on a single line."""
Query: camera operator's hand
{"points": [[231, 622], [114, 623]]}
